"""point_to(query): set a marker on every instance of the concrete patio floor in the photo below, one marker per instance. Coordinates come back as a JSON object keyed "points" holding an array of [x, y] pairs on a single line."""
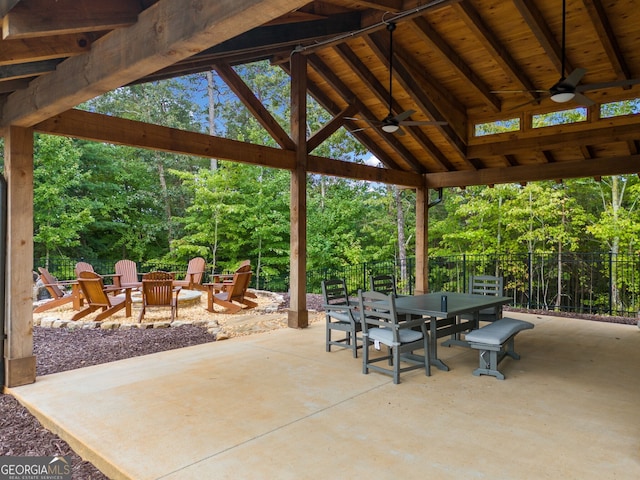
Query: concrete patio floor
{"points": [[277, 406]]}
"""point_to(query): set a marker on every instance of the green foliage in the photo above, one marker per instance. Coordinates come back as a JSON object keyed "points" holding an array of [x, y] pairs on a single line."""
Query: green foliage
{"points": [[60, 215]]}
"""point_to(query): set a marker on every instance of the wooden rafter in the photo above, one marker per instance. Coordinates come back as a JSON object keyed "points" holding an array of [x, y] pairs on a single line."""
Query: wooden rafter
{"points": [[35, 18], [156, 41], [253, 104]]}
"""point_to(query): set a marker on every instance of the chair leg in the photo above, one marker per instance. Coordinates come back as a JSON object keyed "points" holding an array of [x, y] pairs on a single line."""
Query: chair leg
{"points": [[396, 365], [365, 354]]}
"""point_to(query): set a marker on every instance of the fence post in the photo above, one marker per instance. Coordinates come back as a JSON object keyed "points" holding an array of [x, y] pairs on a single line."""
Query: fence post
{"points": [[464, 272], [530, 281], [610, 283]]}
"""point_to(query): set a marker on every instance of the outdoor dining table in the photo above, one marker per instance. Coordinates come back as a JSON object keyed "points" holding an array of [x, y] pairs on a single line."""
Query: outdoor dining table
{"points": [[447, 322]]}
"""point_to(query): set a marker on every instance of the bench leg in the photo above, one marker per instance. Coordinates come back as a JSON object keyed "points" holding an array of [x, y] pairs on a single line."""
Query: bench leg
{"points": [[489, 360]]}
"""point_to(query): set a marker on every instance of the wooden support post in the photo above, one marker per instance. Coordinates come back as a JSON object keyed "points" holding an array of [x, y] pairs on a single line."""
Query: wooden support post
{"points": [[422, 240], [298, 314], [20, 363]]}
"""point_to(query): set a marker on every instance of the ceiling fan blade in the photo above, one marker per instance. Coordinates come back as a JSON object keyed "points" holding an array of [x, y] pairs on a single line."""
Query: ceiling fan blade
{"points": [[582, 100], [519, 91], [401, 116], [574, 78], [603, 85], [412, 123]]}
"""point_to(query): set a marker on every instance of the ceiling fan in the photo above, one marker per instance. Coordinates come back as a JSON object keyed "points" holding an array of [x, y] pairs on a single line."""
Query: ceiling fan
{"points": [[392, 123], [567, 88]]}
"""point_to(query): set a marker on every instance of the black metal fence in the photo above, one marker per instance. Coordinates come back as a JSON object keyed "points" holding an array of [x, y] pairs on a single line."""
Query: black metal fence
{"points": [[592, 283]]}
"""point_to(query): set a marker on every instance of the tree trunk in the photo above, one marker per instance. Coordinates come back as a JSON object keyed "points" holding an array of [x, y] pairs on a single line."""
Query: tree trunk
{"points": [[213, 165], [165, 199], [402, 247]]}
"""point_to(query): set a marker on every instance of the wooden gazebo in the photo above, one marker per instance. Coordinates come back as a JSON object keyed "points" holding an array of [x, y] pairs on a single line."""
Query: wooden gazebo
{"points": [[457, 67]]}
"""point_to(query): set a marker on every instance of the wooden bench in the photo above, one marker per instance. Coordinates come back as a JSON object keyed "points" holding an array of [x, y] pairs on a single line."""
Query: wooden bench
{"points": [[495, 341]]}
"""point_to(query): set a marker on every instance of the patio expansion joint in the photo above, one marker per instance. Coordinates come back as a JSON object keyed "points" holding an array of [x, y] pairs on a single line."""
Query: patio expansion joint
{"points": [[281, 427]]}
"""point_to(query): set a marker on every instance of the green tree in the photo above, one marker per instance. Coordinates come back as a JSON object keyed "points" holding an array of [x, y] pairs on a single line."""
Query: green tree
{"points": [[60, 215]]}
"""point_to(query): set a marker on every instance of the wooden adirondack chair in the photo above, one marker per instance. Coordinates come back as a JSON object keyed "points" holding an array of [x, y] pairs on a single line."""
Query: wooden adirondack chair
{"points": [[55, 288], [126, 274], [83, 267], [158, 290], [193, 278], [245, 266], [224, 294], [95, 293]]}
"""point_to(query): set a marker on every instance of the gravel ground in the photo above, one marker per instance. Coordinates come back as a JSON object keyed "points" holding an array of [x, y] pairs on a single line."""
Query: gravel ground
{"points": [[58, 350]]}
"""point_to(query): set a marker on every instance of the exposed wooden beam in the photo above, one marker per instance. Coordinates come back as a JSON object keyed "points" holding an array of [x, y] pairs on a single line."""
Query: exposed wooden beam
{"points": [[104, 128], [588, 134], [119, 131], [36, 18], [607, 38], [540, 29], [163, 35], [365, 139], [11, 85], [629, 164], [30, 69], [253, 104], [45, 48], [330, 128]]}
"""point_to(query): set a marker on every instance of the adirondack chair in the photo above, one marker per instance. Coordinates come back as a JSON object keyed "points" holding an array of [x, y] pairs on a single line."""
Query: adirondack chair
{"points": [[224, 294], [83, 267], [245, 266], [95, 293], [126, 274], [193, 278], [158, 290], [55, 288]]}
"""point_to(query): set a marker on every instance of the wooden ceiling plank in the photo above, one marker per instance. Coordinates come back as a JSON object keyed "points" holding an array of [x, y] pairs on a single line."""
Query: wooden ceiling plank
{"points": [[629, 164], [253, 104], [348, 96], [36, 18], [430, 36], [607, 38], [165, 33], [492, 44], [46, 48]]}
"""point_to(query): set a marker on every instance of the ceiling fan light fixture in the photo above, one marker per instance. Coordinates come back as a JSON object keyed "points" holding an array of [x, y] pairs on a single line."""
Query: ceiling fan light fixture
{"points": [[391, 128], [562, 97]]}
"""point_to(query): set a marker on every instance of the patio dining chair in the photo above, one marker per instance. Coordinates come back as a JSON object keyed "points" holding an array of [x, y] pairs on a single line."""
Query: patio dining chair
{"points": [[381, 325], [158, 290], [487, 285], [341, 315]]}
